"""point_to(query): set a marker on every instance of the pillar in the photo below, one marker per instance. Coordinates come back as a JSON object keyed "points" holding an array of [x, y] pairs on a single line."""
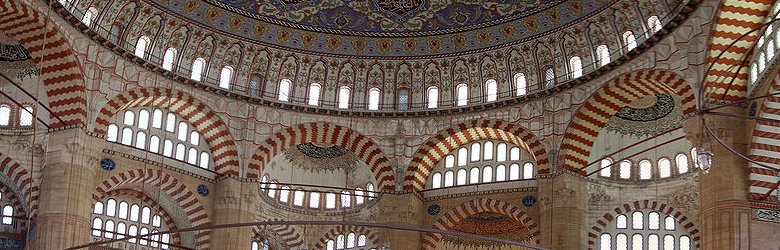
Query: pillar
{"points": [[66, 187], [563, 201], [234, 202], [402, 209]]}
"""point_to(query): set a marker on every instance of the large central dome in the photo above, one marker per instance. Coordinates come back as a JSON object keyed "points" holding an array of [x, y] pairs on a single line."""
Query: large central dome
{"points": [[372, 27]]}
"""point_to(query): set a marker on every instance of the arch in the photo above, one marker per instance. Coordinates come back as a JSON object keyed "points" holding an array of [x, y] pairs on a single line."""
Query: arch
{"points": [[288, 235], [165, 215], [436, 147], [604, 103], [321, 132], [22, 183], [20, 210], [207, 122], [601, 223], [454, 215], [345, 229], [719, 83], [60, 68], [178, 191], [764, 148]]}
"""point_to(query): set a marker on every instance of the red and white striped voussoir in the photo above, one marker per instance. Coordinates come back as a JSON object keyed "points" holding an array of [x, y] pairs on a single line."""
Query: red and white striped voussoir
{"points": [[345, 230], [680, 217], [321, 132], [60, 69], [148, 201], [209, 125], [765, 148], [287, 234], [21, 179], [20, 209], [457, 214], [439, 145], [179, 192], [736, 17], [615, 94]]}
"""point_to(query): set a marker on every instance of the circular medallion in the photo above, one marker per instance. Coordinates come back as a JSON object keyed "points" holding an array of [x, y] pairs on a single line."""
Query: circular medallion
{"points": [[434, 209], [529, 200], [203, 190], [107, 164]]}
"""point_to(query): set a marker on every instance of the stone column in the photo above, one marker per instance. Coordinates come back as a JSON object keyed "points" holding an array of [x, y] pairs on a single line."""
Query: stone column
{"points": [[403, 209], [66, 187], [234, 202], [725, 212], [563, 203]]}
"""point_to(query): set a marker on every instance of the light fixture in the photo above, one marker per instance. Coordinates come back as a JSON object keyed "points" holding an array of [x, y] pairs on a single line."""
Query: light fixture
{"points": [[704, 159]]}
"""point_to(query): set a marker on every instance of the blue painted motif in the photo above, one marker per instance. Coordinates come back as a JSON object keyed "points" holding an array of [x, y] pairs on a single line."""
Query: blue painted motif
{"points": [[203, 190], [107, 164], [434, 209], [529, 200]]}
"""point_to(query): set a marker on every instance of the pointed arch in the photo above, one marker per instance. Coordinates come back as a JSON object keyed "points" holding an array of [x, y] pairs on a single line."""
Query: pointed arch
{"points": [[472, 207], [321, 132], [605, 102], [207, 122], [436, 147], [287, 234], [164, 214], [60, 68], [346, 229], [765, 147], [178, 191], [16, 178]]}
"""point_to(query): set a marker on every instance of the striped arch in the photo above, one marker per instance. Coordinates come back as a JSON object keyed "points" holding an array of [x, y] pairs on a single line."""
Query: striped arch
{"points": [[728, 78], [209, 125], [601, 223], [20, 211], [345, 230], [287, 235], [60, 69], [455, 215], [147, 201], [449, 139], [322, 132], [179, 192], [615, 94], [20, 182], [765, 147]]}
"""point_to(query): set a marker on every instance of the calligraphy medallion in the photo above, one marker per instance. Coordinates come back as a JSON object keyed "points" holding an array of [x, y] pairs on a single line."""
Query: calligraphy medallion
{"points": [[399, 7]]}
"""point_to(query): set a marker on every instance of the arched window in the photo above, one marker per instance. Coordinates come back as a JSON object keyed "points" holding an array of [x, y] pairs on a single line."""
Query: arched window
{"points": [[157, 118], [449, 178], [488, 154], [272, 189], [500, 173], [606, 170], [603, 54], [351, 240], [403, 99], [168, 58], [344, 97], [115, 33], [370, 191], [141, 46], [637, 220], [654, 23], [226, 77], [254, 85], [629, 40], [682, 162], [314, 200], [340, 242], [5, 115], [26, 116], [487, 174], [474, 175], [182, 131], [143, 119], [129, 118], [373, 99], [314, 94], [97, 226], [112, 133], [449, 161], [192, 156], [491, 90], [461, 177], [90, 14], [436, 182], [284, 90], [549, 78], [475, 151], [514, 172], [528, 170], [359, 196], [644, 231], [330, 201], [463, 154], [298, 198], [346, 198], [98, 208], [204, 160], [664, 168], [575, 65], [514, 154], [625, 169], [197, 69], [462, 98], [501, 152], [521, 85], [645, 170], [761, 61], [433, 97], [127, 136], [140, 140]]}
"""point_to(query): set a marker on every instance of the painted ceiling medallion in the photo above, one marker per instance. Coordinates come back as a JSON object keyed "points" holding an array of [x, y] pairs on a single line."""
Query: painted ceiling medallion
{"points": [[399, 7], [321, 151], [13, 53], [649, 111], [647, 116], [321, 157]]}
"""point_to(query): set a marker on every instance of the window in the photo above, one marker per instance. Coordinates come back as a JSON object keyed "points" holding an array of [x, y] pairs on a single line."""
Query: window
{"points": [[491, 90], [129, 118], [653, 221], [346, 197], [603, 54], [488, 154], [521, 85], [112, 132], [142, 220], [168, 58], [514, 172], [114, 34], [344, 97], [645, 170], [637, 220], [487, 174], [575, 65], [314, 94], [449, 161], [8, 213], [403, 99], [528, 170], [500, 173], [501, 152], [26, 116], [606, 242], [514, 154], [182, 131], [226, 77], [475, 151], [474, 175], [330, 201], [664, 168], [462, 98], [254, 85], [298, 198], [359, 196], [461, 177], [89, 15], [433, 97], [629, 40], [654, 23], [606, 170], [625, 169], [682, 162], [636, 242], [127, 136], [140, 140], [314, 200], [197, 69], [449, 178], [642, 237], [141, 46], [284, 90], [373, 99], [143, 119], [272, 189], [549, 78], [436, 182], [462, 156], [157, 118], [5, 115]]}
